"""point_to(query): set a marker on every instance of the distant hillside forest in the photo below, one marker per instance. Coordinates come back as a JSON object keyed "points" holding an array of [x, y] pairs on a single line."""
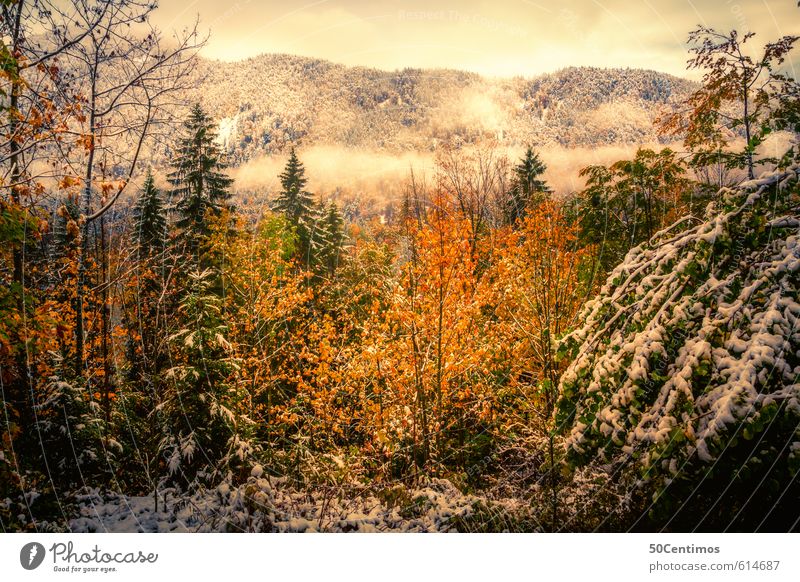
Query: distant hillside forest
{"points": [[267, 103]]}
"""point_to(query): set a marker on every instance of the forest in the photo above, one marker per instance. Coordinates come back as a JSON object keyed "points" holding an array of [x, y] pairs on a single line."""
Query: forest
{"points": [[489, 356]]}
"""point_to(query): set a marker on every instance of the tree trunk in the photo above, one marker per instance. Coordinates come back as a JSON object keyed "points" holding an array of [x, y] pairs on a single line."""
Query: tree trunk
{"points": [[106, 323], [14, 147], [84, 248], [749, 153]]}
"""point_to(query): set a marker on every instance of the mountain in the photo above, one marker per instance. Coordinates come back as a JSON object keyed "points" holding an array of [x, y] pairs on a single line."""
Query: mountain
{"points": [[264, 103]]}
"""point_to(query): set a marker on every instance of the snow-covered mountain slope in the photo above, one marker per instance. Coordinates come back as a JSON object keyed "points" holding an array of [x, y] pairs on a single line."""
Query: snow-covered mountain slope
{"points": [[264, 103]]}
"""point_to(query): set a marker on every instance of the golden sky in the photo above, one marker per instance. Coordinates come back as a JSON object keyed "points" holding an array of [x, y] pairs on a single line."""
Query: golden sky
{"points": [[492, 37]]}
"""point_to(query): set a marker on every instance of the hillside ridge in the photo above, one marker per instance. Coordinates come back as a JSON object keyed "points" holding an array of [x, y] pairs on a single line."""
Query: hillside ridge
{"points": [[264, 104]]}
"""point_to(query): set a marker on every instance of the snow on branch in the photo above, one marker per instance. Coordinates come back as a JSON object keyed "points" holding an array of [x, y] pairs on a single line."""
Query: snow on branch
{"points": [[693, 343]]}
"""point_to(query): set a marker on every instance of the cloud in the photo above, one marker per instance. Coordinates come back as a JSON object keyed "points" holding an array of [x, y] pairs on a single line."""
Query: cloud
{"points": [[521, 37]]}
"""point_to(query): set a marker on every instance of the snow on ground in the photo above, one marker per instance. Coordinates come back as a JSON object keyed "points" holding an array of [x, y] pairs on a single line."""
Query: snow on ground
{"points": [[264, 505]]}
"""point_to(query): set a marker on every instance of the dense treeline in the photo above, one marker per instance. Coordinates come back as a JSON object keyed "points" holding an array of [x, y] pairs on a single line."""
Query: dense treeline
{"points": [[175, 342]]}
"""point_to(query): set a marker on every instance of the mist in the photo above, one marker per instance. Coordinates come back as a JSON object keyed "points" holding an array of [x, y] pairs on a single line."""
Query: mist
{"points": [[335, 172]]}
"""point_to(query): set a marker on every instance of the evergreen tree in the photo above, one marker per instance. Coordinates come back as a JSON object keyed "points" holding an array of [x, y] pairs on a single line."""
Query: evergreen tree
{"points": [[149, 219], [205, 436], [145, 351], [297, 205], [199, 183], [527, 188], [333, 234], [70, 431]]}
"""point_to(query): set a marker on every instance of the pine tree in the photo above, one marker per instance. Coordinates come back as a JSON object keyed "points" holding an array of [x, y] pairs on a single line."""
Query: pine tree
{"points": [[145, 354], [70, 431], [527, 189], [199, 183], [205, 436], [297, 205], [333, 234], [149, 219]]}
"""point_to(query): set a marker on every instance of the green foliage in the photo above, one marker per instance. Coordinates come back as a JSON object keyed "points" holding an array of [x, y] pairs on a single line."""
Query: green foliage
{"points": [[206, 438], [685, 366], [70, 429], [199, 184], [150, 221], [527, 187], [278, 234], [331, 252], [297, 205], [15, 222], [625, 204]]}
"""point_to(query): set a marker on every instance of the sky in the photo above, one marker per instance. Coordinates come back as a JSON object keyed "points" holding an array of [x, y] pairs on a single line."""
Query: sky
{"points": [[492, 37]]}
